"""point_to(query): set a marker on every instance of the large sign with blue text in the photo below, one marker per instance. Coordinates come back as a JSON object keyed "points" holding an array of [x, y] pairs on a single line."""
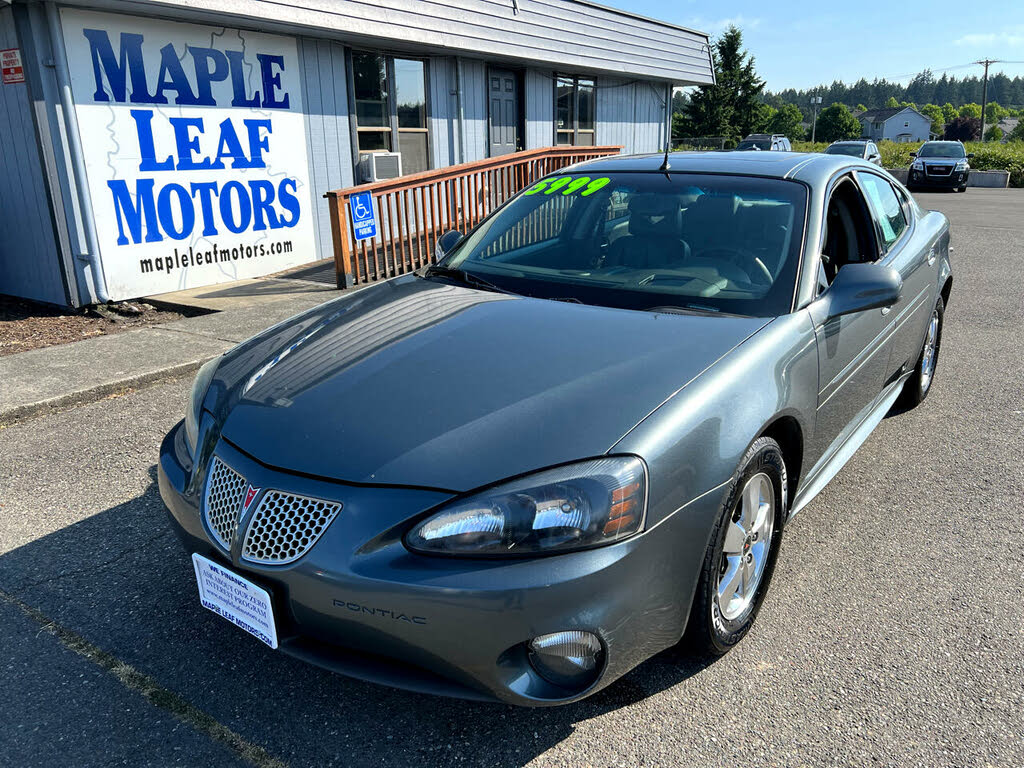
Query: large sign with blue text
{"points": [[195, 147]]}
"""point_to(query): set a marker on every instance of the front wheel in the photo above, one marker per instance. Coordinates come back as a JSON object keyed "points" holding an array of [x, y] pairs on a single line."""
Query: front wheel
{"points": [[740, 558], [917, 387], [962, 189]]}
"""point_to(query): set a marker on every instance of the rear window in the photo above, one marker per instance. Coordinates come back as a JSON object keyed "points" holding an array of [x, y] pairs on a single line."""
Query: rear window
{"points": [[645, 240], [853, 150]]}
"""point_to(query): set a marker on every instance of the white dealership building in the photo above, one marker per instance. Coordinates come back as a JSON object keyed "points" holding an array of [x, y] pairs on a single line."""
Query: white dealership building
{"points": [[154, 145]]}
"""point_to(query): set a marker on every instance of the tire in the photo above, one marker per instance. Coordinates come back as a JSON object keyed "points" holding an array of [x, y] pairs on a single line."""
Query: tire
{"points": [[717, 624], [917, 387], [961, 189]]}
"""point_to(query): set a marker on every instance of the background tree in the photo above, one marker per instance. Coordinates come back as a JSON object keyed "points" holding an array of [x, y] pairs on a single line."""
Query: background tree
{"points": [[949, 112], [732, 106], [970, 110], [787, 120], [860, 108], [964, 129], [836, 124], [891, 102], [994, 133], [935, 114], [1017, 134], [994, 113]]}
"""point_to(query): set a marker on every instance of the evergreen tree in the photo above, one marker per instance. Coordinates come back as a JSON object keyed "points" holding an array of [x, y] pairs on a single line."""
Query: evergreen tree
{"points": [[733, 105]]}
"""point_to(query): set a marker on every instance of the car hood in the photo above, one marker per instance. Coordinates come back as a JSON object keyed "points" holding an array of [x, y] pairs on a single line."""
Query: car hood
{"points": [[423, 383], [942, 160]]}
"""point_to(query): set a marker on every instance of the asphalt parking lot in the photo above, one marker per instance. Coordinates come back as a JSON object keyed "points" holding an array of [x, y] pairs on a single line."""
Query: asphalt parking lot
{"points": [[893, 633]]}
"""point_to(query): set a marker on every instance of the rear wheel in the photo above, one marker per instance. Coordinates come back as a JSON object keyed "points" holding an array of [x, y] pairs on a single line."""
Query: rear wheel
{"points": [[740, 558], [917, 387]]}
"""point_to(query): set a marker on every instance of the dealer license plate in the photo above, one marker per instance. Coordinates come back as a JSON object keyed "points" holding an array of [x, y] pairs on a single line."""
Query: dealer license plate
{"points": [[236, 599]]}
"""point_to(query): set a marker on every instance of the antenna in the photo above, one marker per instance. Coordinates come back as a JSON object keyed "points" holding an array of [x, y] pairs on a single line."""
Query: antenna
{"points": [[664, 165]]}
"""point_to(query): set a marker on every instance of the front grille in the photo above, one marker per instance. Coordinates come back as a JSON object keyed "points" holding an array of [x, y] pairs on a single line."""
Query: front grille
{"points": [[225, 490], [939, 170], [285, 526]]}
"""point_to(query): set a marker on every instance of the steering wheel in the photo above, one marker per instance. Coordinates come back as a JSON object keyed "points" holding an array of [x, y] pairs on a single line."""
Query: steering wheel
{"points": [[738, 255]]}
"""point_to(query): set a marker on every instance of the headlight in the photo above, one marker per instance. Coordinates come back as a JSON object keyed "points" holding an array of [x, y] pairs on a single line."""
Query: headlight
{"points": [[962, 165], [195, 403], [918, 165], [572, 507]]}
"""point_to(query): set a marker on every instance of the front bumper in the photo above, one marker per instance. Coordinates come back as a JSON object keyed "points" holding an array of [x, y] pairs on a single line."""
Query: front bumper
{"points": [[954, 180], [359, 603]]}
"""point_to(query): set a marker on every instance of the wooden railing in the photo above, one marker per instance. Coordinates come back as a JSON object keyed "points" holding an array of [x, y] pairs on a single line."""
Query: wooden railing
{"points": [[414, 211]]}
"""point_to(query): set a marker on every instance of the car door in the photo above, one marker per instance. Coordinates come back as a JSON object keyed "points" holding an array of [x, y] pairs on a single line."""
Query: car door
{"points": [[903, 250], [852, 349]]}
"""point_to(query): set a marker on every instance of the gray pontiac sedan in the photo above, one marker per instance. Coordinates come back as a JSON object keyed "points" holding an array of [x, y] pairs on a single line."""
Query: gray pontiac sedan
{"points": [[573, 442]]}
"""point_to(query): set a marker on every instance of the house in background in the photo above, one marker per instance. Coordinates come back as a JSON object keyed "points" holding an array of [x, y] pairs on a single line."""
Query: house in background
{"points": [[899, 124], [1007, 126]]}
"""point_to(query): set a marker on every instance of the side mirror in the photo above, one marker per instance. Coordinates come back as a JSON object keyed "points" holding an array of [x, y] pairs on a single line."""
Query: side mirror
{"points": [[446, 242], [859, 287], [970, 155], [913, 154]]}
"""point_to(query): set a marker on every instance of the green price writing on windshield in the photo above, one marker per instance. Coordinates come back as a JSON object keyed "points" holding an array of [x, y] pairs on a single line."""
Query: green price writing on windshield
{"points": [[568, 185]]}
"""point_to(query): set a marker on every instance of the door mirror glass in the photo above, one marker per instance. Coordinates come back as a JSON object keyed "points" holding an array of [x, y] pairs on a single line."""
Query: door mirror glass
{"points": [[446, 242], [859, 287], [970, 155]]}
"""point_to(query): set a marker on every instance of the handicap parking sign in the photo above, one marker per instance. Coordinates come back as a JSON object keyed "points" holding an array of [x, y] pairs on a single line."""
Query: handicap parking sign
{"points": [[364, 219]]}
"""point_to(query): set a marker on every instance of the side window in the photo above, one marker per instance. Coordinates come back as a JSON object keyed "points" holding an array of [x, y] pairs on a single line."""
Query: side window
{"points": [[885, 207]]}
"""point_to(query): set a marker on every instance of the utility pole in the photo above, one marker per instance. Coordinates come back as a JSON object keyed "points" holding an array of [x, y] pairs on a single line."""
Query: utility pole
{"points": [[984, 92], [815, 102]]}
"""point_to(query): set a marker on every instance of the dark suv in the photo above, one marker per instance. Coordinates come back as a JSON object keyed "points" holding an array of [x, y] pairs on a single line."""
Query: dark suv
{"points": [[940, 164]]}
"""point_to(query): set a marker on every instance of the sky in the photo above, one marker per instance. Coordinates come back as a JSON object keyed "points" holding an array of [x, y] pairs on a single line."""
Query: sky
{"points": [[802, 44]]}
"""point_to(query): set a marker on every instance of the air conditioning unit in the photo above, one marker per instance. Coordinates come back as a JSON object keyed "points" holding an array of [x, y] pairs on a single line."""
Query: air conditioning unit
{"points": [[378, 166]]}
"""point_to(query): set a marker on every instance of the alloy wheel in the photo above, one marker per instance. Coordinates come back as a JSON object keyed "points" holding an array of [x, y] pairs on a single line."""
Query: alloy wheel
{"points": [[928, 355], [746, 548]]}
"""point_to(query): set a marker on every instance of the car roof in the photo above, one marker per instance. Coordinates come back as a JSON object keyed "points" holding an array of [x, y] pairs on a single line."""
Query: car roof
{"points": [[780, 165], [853, 141]]}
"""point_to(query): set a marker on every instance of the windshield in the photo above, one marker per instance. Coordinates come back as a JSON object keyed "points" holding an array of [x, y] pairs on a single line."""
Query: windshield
{"points": [[942, 149], [766, 145], [853, 150], [695, 242]]}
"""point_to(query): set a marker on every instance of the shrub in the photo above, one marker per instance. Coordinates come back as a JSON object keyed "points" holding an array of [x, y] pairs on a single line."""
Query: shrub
{"points": [[994, 133], [963, 129]]}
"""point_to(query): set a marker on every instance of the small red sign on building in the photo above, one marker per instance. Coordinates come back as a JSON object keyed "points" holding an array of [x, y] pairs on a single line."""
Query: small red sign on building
{"points": [[10, 65]]}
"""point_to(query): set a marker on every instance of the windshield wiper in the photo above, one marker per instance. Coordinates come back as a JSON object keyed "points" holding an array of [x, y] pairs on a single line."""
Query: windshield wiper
{"points": [[692, 309], [464, 277]]}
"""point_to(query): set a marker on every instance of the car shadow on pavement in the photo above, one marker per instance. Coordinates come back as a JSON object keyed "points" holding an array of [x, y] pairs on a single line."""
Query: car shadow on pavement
{"points": [[121, 581]]}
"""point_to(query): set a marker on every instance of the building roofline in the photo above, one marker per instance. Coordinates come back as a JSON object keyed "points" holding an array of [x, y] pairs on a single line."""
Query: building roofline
{"points": [[641, 17]]}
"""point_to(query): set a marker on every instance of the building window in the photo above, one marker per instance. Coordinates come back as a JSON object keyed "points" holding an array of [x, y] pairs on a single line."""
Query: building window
{"points": [[391, 100], [574, 111]]}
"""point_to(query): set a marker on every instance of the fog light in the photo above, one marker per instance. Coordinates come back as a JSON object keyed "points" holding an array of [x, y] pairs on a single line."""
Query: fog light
{"points": [[570, 659]]}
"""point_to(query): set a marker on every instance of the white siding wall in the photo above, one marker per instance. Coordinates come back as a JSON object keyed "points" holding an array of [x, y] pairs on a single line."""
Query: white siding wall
{"points": [[571, 34], [325, 96], [539, 103], [474, 108]]}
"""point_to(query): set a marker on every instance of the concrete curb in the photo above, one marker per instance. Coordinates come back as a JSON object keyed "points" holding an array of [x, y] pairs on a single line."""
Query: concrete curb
{"points": [[9, 416], [44, 380]]}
